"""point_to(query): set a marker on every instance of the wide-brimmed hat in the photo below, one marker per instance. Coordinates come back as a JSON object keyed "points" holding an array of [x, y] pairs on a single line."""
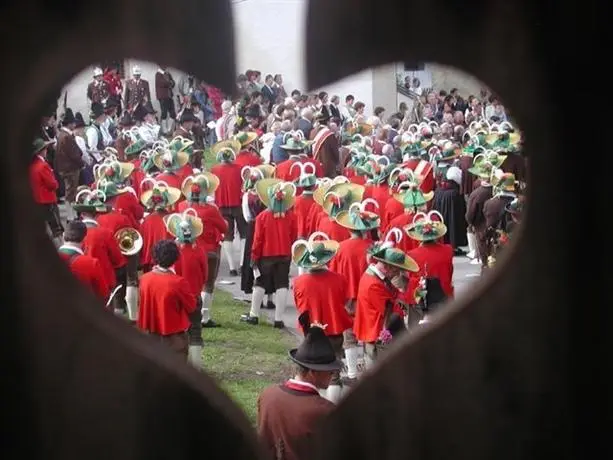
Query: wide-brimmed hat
{"points": [[113, 170], [111, 188], [485, 164], [200, 186], [375, 166], [411, 149], [186, 226], [90, 201], [79, 122], [166, 159], [412, 197], [340, 196], [504, 182], [68, 117], [382, 252], [136, 147], [39, 145], [226, 150], [96, 110], [316, 351], [126, 120], [425, 228], [449, 152], [400, 175], [187, 116], [358, 218], [503, 140], [323, 184], [252, 174], [294, 141], [314, 252], [278, 196], [160, 195], [307, 177], [245, 138]]}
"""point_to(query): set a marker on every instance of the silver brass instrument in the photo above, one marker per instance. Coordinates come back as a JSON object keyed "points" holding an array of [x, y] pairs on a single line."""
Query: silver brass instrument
{"points": [[130, 241]]}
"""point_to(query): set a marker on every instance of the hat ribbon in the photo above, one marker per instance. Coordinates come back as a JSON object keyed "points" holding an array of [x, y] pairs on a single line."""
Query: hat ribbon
{"points": [[304, 169]]}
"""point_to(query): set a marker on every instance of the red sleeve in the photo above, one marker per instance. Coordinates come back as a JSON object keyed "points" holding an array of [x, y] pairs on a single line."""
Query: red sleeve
{"points": [[48, 179], [99, 284], [186, 298], [137, 210], [115, 255], [218, 221], [293, 228], [258, 238]]}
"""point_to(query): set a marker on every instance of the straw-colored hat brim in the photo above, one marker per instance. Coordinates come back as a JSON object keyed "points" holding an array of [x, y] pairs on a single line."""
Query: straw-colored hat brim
{"points": [[196, 223], [174, 195], [299, 251], [355, 191], [125, 171], [232, 144], [262, 186], [400, 196], [212, 181], [344, 220], [182, 158], [408, 264], [249, 138], [439, 227]]}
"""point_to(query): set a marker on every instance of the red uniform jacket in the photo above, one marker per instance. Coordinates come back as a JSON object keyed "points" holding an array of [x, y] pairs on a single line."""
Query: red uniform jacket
{"points": [[228, 194], [153, 229], [324, 295], [302, 208], [319, 168], [333, 229], [88, 271], [137, 176], [213, 223], [273, 236], [435, 260], [401, 221], [350, 262], [128, 204], [42, 181], [285, 172], [247, 158], [393, 208], [427, 184], [313, 217], [165, 302], [192, 265], [360, 180], [101, 244], [114, 221], [172, 179], [373, 296], [381, 194]]}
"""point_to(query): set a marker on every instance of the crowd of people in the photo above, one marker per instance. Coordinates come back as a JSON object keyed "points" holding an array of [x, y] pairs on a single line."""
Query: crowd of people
{"points": [[371, 209]]}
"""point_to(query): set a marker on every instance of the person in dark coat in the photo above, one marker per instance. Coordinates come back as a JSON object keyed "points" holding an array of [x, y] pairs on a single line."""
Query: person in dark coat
{"points": [[452, 205]]}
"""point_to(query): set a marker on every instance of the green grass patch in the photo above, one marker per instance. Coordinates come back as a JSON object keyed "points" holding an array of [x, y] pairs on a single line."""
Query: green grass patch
{"points": [[243, 358]]}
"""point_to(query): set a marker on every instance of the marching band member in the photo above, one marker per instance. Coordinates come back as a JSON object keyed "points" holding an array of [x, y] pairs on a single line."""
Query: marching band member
{"points": [[305, 183], [377, 186], [187, 227], [197, 190], [228, 197], [319, 168], [378, 293], [166, 299], [338, 198], [169, 161], [157, 199], [323, 294], [248, 155], [44, 187], [85, 268], [399, 180], [350, 261], [293, 144], [252, 207], [275, 231]]}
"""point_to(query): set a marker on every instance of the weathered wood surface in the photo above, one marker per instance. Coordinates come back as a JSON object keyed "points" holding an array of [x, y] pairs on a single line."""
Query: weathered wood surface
{"points": [[488, 381]]}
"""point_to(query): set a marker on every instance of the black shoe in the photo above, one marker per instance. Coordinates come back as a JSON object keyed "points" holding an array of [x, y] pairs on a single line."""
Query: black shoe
{"points": [[253, 320], [270, 305], [233, 273], [279, 325], [459, 252], [210, 323]]}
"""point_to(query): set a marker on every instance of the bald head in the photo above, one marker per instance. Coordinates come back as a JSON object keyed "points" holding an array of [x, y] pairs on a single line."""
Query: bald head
{"points": [[307, 113]]}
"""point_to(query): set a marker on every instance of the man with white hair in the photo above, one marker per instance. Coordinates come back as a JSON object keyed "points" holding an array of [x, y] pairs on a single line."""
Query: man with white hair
{"points": [[98, 89], [305, 122], [224, 126], [451, 204], [137, 90]]}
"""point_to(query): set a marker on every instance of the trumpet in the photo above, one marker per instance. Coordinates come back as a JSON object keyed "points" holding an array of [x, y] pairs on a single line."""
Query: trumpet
{"points": [[130, 241]]}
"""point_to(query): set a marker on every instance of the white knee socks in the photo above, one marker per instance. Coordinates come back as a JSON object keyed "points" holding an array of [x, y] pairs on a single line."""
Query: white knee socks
{"points": [[194, 356], [207, 301], [132, 302], [256, 301], [301, 271], [226, 247], [351, 355], [472, 245], [280, 301], [242, 243]]}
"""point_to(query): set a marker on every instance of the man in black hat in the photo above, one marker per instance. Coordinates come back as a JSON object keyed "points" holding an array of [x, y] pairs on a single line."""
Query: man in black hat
{"points": [[93, 134], [186, 123], [149, 130], [288, 414], [68, 157]]}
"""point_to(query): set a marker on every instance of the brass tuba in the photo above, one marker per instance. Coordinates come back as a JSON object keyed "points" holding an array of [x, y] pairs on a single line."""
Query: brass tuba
{"points": [[130, 241]]}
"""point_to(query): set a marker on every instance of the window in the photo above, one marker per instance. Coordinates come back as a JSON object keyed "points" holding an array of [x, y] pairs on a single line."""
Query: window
{"points": [[118, 64], [414, 66]]}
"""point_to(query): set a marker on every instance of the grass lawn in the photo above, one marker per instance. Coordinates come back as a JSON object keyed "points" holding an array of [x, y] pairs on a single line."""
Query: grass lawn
{"points": [[243, 358]]}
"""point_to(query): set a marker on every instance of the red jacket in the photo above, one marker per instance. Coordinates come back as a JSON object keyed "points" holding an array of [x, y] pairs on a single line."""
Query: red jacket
{"points": [[137, 176], [324, 295], [165, 302], [302, 209], [42, 182], [333, 229], [435, 260], [101, 244], [114, 221], [89, 272], [228, 194], [113, 83], [285, 172], [153, 229], [128, 204], [172, 179], [213, 223], [319, 168], [381, 194], [316, 213], [373, 297], [192, 265], [393, 208], [360, 180], [350, 262], [400, 222], [247, 158], [273, 236]]}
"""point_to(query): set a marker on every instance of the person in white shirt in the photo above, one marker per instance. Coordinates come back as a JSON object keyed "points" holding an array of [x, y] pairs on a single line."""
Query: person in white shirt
{"points": [[224, 126], [93, 134], [149, 130], [87, 175]]}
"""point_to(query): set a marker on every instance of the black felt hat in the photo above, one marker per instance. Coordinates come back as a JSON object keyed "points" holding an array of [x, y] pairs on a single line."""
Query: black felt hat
{"points": [[68, 117], [187, 116], [316, 351], [126, 120], [434, 295], [148, 108], [78, 120], [97, 110]]}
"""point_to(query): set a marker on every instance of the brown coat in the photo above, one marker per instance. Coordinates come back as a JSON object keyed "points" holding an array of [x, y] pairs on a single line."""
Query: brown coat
{"points": [[328, 154], [474, 208], [163, 85], [183, 133], [68, 156], [287, 419]]}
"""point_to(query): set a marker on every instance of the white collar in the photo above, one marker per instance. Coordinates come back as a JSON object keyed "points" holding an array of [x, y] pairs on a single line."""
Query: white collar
{"points": [[373, 268], [89, 221], [42, 158], [304, 384], [164, 270], [73, 247]]}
